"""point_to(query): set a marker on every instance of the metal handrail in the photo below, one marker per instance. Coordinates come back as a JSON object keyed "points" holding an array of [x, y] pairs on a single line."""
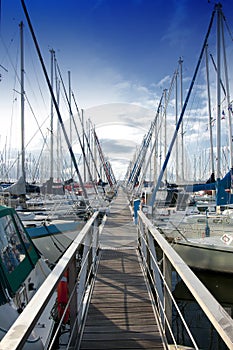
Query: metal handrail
{"points": [[219, 318], [161, 309], [19, 332]]}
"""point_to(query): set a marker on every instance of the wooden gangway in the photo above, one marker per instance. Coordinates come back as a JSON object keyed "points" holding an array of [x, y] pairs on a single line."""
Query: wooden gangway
{"points": [[120, 313]]}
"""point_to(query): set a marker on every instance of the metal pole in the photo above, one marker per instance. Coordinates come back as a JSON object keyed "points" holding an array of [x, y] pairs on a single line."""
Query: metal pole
{"points": [[22, 102]]}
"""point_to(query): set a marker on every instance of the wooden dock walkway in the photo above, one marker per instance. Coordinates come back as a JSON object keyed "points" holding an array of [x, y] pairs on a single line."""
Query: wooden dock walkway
{"points": [[120, 314]]}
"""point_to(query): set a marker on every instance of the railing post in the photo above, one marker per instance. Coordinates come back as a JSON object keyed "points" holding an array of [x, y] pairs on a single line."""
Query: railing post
{"points": [[95, 241], [143, 243], [140, 229], [73, 303], [83, 275], [156, 275], [167, 272]]}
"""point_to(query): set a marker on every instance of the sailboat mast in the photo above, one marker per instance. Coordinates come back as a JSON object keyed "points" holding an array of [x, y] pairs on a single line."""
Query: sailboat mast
{"points": [[165, 130], [177, 141], [156, 153], [210, 115], [218, 117], [69, 94], [83, 145], [182, 126], [22, 102], [51, 116], [227, 94], [58, 143]]}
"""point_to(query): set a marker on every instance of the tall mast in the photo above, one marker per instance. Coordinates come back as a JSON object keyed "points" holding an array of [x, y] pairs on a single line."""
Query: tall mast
{"points": [[160, 141], [83, 145], [22, 101], [58, 143], [227, 94], [210, 114], [69, 92], [51, 116], [218, 119], [165, 130], [177, 141], [182, 127], [156, 153]]}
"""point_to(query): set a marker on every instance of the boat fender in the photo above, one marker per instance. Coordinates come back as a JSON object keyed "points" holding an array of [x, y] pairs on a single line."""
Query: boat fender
{"points": [[62, 298]]}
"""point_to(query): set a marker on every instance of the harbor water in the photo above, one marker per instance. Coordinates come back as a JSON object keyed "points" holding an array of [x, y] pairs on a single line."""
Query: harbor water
{"points": [[221, 287]]}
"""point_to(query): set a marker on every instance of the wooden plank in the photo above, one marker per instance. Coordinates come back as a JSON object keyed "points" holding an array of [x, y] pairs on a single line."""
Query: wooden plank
{"points": [[124, 335], [121, 344], [113, 289], [119, 297], [121, 321], [149, 328], [119, 309]]}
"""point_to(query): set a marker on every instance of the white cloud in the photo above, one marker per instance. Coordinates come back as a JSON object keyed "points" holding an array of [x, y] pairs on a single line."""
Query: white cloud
{"points": [[165, 82]]}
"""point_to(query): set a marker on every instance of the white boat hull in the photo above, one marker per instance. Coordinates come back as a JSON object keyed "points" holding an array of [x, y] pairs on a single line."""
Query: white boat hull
{"points": [[204, 254]]}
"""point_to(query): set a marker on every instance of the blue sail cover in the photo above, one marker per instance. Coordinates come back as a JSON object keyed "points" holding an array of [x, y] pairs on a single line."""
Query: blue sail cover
{"points": [[225, 183]]}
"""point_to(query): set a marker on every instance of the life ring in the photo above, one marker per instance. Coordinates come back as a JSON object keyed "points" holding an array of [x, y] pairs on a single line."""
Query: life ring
{"points": [[62, 298]]}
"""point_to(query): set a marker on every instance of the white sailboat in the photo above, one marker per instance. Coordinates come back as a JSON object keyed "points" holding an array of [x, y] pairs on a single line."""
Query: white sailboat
{"points": [[22, 271]]}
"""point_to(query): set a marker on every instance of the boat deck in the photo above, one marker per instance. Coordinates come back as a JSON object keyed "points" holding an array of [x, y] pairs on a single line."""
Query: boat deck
{"points": [[120, 314]]}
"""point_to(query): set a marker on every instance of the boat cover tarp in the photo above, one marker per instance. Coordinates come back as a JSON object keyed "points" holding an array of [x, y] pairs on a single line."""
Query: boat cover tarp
{"points": [[50, 187], [18, 188], [225, 183]]}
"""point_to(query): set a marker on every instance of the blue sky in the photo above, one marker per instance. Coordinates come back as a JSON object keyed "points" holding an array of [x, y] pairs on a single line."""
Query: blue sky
{"points": [[115, 43], [123, 51]]}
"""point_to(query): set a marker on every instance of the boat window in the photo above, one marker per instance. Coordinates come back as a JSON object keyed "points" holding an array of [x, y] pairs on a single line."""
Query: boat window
{"points": [[11, 249], [23, 235]]}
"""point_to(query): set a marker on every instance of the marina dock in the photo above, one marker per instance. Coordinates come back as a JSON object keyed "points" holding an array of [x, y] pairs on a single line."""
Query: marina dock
{"points": [[120, 314]]}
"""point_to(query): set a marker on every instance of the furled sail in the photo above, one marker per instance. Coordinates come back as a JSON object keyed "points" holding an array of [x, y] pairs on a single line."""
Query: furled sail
{"points": [[18, 188]]}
